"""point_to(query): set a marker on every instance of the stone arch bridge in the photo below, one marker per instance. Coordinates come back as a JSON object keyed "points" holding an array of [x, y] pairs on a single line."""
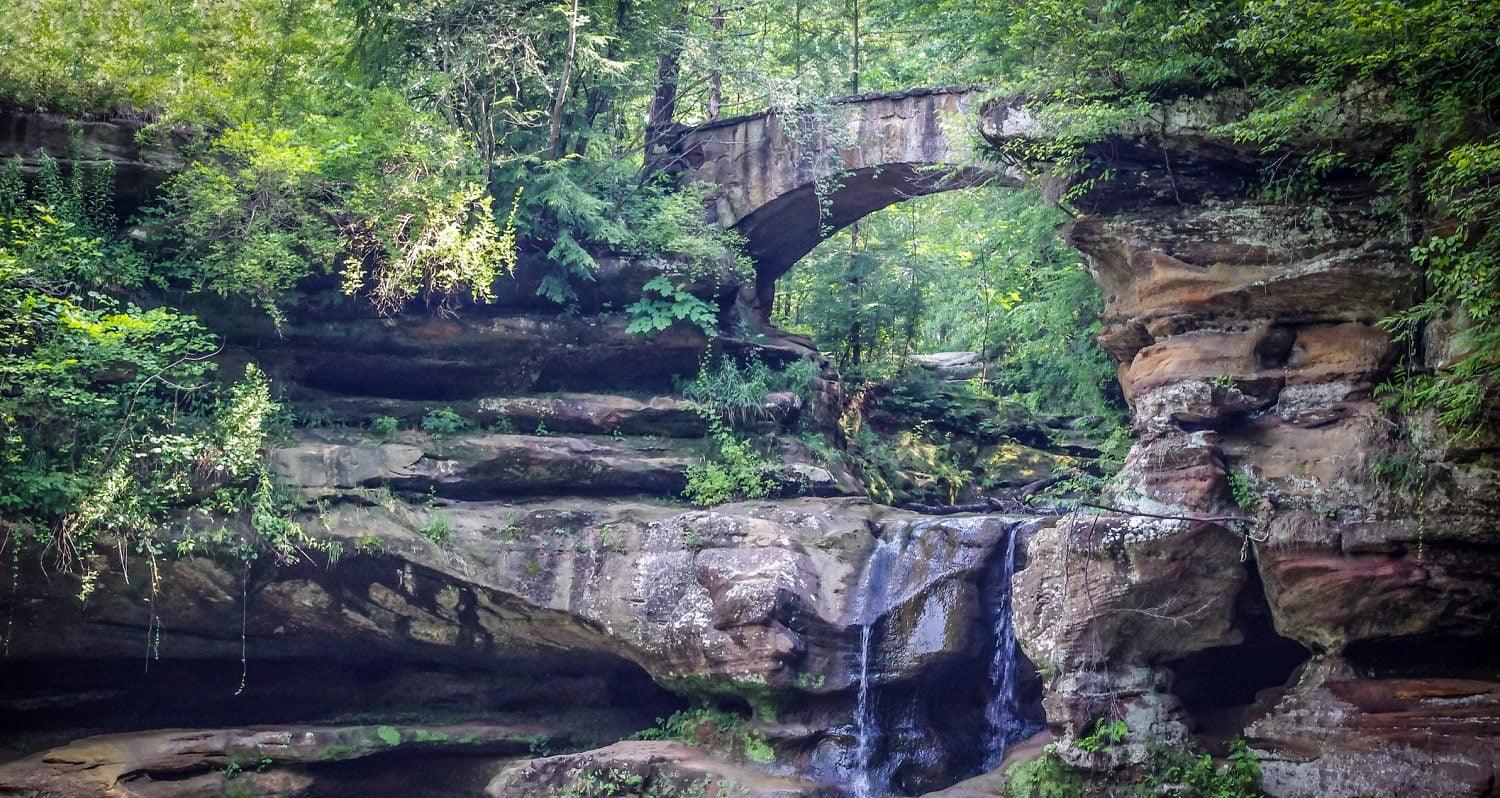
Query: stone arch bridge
{"points": [[786, 179]]}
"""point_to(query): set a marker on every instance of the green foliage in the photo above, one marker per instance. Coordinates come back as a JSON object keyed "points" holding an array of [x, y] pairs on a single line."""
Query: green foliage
{"points": [[1191, 775], [389, 735], [980, 270], [735, 471], [737, 393], [911, 465], [1243, 490], [444, 421], [110, 415], [730, 394], [714, 730], [1400, 92], [809, 682], [672, 303], [1402, 472], [439, 530], [1047, 776], [1105, 734], [385, 425], [1167, 771], [309, 170], [381, 191]]}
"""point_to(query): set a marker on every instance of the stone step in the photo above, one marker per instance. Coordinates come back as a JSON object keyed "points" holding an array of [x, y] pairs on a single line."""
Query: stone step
{"points": [[475, 466], [584, 413]]}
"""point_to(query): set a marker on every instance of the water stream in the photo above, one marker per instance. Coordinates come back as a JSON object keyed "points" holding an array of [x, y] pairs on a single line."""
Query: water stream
{"points": [[883, 587], [872, 605], [999, 714]]}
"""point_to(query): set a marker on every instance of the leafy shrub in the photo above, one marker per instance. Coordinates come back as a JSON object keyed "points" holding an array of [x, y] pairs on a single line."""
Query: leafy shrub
{"points": [[714, 730], [735, 471], [1104, 735], [385, 425], [444, 421], [110, 415], [1191, 775], [737, 393], [439, 530], [671, 303], [270, 204], [1047, 776], [1242, 490]]}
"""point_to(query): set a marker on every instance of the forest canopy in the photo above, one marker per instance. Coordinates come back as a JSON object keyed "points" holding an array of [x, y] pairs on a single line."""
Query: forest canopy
{"points": [[412, 152]]}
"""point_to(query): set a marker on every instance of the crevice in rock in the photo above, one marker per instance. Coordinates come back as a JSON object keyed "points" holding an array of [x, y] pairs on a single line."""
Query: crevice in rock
{"points": [[1427, 656], [412, 773], [1220, 688]]}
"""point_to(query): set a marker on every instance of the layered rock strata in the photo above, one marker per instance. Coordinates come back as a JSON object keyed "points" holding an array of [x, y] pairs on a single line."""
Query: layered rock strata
{"points": [[1266, 481]]}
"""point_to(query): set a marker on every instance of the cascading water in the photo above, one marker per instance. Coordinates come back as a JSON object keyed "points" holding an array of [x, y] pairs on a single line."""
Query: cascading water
{"points": [[916, 576], [999, 714], [872, 601]]}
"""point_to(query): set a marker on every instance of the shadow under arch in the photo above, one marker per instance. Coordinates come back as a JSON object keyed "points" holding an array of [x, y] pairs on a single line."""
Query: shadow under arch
{"points": [[781, 232]]}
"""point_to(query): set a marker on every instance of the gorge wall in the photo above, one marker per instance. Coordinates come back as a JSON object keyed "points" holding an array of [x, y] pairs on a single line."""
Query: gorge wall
{"points": [[1284, 561], [1343, 589]]}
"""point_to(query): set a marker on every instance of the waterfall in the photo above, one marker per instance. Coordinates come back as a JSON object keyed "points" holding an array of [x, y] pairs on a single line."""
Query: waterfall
{"points": [[892, 723], [999, 714], [871, 605]]}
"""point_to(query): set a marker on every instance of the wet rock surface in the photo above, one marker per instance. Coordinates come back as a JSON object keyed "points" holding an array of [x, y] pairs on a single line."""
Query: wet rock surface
{"points": [[1337, 734], [529, 608]]}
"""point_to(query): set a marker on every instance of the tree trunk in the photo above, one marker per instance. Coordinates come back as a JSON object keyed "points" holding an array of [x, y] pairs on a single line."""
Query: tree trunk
{"points": [[663, 108], [716, 59], [854, 83], [554, 137]]}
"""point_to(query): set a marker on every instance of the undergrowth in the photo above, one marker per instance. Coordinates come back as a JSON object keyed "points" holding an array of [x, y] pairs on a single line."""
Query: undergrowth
{"points": [[713, 730]]}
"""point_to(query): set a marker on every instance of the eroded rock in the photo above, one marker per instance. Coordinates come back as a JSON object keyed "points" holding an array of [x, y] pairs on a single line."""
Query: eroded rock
{"points": [[647, 768]]}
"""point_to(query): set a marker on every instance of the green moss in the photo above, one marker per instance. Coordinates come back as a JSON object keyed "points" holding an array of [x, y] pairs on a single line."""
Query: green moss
{"points": [[755, 691], [335, 752], [1047, 776], [389, 735], [714, 730]]}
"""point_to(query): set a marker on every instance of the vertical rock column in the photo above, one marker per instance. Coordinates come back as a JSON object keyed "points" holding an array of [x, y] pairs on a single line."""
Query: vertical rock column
{"points": [[1248, 347]]}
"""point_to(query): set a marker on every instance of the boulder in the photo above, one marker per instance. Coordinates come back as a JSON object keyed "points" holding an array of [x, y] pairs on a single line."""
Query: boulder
{"points": [[951, 365]]}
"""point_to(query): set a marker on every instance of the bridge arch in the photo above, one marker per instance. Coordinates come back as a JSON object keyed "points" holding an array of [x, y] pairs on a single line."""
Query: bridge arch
{"points": [[786, 179]]}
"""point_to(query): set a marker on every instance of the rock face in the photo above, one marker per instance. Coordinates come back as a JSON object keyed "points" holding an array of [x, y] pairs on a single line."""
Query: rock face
{"points": [[268, 761], [1338, 734], [561, 603], [1249, 352], [139, 168], [647, 768], [506, 569], [479, 466]]}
